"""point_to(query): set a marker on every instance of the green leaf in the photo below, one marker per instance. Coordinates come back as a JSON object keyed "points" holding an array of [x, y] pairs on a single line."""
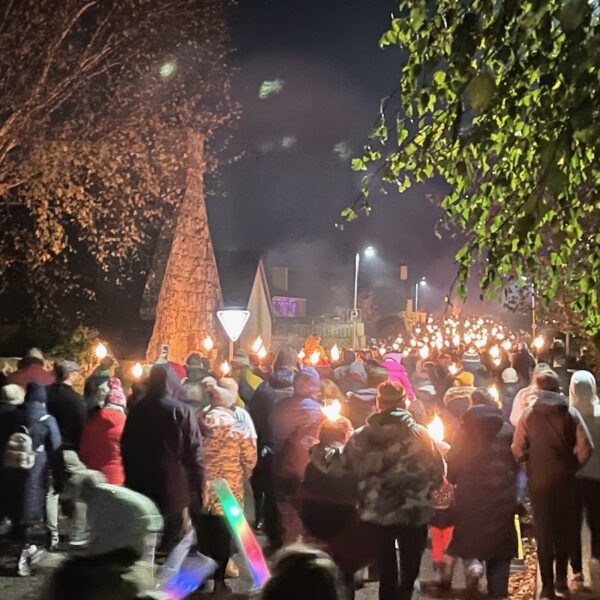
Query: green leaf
{"points": [[439, 77], [358, 164], [481, 90]]}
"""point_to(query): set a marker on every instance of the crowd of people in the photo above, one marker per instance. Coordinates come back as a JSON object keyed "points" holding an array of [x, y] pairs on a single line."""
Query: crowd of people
{"points": [[340, 455]]}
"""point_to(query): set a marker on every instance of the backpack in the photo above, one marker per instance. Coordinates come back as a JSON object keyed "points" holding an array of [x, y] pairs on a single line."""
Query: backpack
{"points": [[19, 452]]}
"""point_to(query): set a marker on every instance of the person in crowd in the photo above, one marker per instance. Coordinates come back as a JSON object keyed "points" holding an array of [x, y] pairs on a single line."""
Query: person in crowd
{"points": [[331, 391], [350, 375], [508, 391], [484, 472], [360, 404], [554, 442], [456, 402], [398, 466], [482, 397], [99, 376], [247, 380], [11, 396], [29, 454], [196, 370], [527, 396], [230, 454], [559, 365], [123, 530], [279, 386], [312, 345], [583, 397], [471, 363], [161, 448], [69, 409], [31, 369], [300, 572], [392, 362], [295, 423], [523, 363], [101, 440]]}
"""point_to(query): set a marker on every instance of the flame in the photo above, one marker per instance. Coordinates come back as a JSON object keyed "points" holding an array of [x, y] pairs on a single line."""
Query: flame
{"points": [[262, 353], [494, 393], [225, 368], [332, 411], [424, 352], [382, 351], [456, 340], [497, 362], [395, 346], [257, 345], [495, 352], [467, 338], [137, 370], [301, 355], [335, 353], [453, 369], [539, 342], [507, 345], [101, 351], [208, 343], [436, 429], [315, 357]]}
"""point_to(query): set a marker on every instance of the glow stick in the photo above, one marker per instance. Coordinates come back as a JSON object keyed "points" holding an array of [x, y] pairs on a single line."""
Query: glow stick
{"points": [[521, 553], [242, 533], [192, 574]]}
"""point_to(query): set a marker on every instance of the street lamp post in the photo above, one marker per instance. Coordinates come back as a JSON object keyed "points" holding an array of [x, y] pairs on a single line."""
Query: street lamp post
{"points": [[369, 252], [419, 283]]}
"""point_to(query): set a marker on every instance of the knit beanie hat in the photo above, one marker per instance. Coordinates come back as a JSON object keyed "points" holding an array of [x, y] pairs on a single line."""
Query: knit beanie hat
{"points": [[12, 394], [464, 379], [509, 375], [470, 356], [115, 394], [120, 518], [307, 383], [391, 394], [63, 368]]}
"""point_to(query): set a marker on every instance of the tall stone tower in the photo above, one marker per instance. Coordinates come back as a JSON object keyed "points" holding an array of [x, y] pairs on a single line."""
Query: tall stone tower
{"points": [[183, 291]]}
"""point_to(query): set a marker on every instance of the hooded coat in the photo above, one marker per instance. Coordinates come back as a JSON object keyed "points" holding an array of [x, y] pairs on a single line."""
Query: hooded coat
{"points": [[553, 440], [229, 453], [392, 363], [161, 448], [280, 386], [193, 390], [484, 471], [26, 489], [583, 397], [70, 411], [101, 443], [397, 465]]}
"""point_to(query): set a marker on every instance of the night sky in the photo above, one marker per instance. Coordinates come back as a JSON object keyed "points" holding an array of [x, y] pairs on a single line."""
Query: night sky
{"points": [[285, 193]]}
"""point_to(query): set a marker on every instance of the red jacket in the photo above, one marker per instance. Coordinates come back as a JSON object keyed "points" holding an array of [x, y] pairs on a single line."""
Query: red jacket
{"points": [[30, 373], [100, 447]]}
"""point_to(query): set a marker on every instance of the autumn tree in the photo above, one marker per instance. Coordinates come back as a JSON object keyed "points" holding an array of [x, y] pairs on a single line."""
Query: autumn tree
{"points": [[96, 97], [500, 100]]}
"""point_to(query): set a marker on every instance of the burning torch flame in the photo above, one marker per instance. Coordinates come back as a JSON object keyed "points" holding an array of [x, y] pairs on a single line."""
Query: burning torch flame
{"points": [[335, 353], [315, 357], [258, 345], [507, 345], [301, 355], [262, 353], [436, 429], [453, 370], [225, 368], [495, 352], [539, 342], [332, 411], [456, 340], [382, 351], [100, 351], [137, 370], [424, 352], [208, 343], [494, 393]]}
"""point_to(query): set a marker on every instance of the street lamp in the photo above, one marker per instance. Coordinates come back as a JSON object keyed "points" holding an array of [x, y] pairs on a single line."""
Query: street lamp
{"points": [[233, 321], [422, 282], [369, 252]]}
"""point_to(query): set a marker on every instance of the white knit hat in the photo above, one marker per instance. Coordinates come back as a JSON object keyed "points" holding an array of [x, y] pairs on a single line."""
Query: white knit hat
{"points": [[12, 394]]}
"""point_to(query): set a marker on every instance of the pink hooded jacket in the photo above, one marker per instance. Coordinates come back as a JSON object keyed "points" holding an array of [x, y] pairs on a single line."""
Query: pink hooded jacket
{"points": [[392, 362]]}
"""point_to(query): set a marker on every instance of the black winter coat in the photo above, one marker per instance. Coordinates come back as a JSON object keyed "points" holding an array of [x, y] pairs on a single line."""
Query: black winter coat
{"points": [[266, 396], [482, 467], [70, 411], [162, 453], [25, 490]]}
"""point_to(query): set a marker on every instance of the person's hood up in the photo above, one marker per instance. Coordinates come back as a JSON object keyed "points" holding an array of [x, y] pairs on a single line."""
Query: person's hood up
{"points": [[390, 423], [582, 392], [283, 378], [364, 395], [217, 422], [169, 382], [483, 420], [120, 519], [551, 399], [307, 383], [36, 392]]}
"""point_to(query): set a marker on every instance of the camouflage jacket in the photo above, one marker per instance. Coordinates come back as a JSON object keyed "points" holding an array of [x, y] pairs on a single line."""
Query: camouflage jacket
{"points": [[398, 467]]}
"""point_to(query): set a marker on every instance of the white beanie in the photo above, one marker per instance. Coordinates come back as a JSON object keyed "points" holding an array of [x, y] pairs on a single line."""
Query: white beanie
{"points": [[509, 375], [12, 394]]}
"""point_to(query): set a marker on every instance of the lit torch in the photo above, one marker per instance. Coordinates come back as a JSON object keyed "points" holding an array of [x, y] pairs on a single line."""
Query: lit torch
{"points": [[453, 369], [539, 342], [257, 345], [315, 357], [137, 370], [494, 393], [436, 429], [335, 353], [262, 353], [424, 352], [225, 369], [332, 411], [495, 352], [100, 351], [301, 355], [208, 343]]}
